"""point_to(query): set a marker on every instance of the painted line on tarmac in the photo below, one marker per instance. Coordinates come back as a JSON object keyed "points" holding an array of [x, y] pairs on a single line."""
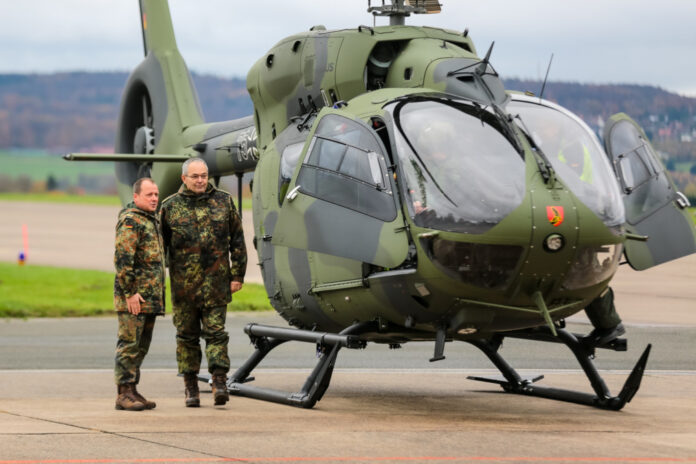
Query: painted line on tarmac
{"points": [[371, 370], [362, 459]]}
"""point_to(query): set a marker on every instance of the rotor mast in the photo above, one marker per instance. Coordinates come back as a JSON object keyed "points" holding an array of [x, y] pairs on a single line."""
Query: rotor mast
{"points": [[398, 10]]}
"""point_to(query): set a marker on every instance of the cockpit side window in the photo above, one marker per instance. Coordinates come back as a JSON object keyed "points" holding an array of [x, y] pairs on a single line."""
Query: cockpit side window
{"points": [[642, 177], [326, 154], [346, 166], [347, 132]]}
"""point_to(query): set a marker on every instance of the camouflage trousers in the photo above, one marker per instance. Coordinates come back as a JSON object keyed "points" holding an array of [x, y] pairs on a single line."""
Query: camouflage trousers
{"points": [[601, 311], [193, 323], [134, 337]]}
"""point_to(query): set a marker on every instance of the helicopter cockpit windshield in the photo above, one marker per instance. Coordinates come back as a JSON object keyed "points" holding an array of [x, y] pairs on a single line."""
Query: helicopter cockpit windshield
{"points": [[462, 172], [574, 153]]}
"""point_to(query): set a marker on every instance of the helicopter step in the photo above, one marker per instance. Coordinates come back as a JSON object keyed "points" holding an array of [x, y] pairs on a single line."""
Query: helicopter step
{"points": [[601, 398], [266, 338]]}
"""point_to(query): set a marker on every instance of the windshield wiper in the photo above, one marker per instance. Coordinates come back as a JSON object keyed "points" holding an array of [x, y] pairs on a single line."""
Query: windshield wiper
{"points": [[481, 67], [507, 127], [542, 160]]}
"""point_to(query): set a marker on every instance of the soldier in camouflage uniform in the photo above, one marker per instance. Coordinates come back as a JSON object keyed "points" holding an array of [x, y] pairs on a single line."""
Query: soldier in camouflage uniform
{"points": [[207, 260], [138, 289]]}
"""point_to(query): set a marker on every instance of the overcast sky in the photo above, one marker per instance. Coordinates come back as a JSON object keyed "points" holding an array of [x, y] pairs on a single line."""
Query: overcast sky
{"points": [[593, 41]]}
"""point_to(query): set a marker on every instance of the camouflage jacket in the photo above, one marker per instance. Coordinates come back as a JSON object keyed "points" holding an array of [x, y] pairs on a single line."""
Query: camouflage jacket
{"points": [[205, 248], [139, 260]]}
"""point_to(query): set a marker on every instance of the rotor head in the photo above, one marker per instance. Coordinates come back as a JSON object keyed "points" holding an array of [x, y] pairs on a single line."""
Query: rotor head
{"points": [[398, 10]]}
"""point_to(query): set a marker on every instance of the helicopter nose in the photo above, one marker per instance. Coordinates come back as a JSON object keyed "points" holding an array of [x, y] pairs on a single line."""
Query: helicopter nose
{"points": [[555, 231], [571, 250]]}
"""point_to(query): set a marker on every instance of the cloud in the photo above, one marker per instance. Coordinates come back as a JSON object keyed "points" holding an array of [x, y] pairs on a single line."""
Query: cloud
{"points": [[636, 41]]}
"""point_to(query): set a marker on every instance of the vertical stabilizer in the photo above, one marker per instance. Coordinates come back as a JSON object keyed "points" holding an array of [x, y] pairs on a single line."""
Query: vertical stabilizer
{"points": [[159, 101], [156, 24]]}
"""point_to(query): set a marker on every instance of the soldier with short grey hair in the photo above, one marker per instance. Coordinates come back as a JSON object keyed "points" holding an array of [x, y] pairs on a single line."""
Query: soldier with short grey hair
{"points": [[138, 289], [207, 260]]}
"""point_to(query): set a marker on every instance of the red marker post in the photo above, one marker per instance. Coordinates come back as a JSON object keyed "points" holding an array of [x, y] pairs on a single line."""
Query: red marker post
{"points": [[24, 254]]}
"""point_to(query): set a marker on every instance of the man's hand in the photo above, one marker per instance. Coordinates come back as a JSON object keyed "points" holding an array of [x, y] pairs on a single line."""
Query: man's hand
{"points": [[235, 286], [133, 303]]}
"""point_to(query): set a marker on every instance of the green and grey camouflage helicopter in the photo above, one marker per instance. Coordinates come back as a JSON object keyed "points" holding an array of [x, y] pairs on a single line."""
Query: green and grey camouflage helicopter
{"points": [[401, 194]]}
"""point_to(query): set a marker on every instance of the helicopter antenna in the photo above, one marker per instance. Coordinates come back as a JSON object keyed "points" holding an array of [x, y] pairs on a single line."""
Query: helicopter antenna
{"points": [[398, 10], [543, 86]]}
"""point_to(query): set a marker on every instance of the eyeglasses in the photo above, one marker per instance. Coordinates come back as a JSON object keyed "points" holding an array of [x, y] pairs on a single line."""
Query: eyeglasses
{"points": [[198, 176]]}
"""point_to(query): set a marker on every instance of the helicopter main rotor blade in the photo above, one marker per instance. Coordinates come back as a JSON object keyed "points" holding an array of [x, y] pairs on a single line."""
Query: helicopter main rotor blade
{"points": [[138, 158]]}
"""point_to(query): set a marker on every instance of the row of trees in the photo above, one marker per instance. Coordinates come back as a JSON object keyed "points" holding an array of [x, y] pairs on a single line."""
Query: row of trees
{"points": [[96, 184], [68, 112]]}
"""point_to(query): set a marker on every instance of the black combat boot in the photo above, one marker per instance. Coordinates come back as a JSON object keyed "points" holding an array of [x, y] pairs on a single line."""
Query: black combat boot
{"points": [[193, 399], [148, 404], [599, 337], [127, 400], [220, 393]]}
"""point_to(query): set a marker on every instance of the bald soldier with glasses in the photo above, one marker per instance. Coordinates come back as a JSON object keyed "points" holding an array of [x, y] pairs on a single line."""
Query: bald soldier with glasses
{"points": [[204, 242]]}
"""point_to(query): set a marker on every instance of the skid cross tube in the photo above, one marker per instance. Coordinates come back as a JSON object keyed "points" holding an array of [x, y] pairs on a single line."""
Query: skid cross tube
{"points": [[265, 338], [601, 398]]}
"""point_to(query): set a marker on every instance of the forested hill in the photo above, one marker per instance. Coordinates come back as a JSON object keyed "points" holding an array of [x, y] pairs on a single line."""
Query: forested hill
{"points": [[661, 113], [77, 111]]}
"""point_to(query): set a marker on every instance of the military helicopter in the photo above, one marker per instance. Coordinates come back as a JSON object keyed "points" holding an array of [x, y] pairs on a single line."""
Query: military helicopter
{"points": [[401, 194]]}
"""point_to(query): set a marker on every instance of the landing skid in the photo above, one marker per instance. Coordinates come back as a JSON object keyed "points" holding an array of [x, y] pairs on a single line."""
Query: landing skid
{"points": [[266, 338], [601, 398]]}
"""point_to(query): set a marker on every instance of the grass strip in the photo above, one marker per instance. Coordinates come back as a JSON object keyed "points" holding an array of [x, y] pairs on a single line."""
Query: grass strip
{"points": [[43, 291]]}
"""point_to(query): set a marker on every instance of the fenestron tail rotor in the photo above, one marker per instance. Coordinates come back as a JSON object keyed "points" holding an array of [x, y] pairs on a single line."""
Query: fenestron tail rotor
{"points": [[144, 139]]}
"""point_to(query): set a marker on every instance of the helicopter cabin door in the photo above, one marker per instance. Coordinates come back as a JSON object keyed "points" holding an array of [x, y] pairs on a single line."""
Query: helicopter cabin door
{"points": [[341, 200], [654, 207]]}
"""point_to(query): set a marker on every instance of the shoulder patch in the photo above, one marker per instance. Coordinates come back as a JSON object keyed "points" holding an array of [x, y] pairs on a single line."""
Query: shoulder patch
{"points": [[127, 222]]}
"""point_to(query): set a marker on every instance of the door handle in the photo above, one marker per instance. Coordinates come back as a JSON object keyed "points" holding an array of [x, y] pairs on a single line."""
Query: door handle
{"points": [[293, 193], [682, 201]]}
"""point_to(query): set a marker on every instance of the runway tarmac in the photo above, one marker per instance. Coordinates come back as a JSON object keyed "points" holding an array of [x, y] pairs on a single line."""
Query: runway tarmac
{"points": [[57, 403], [67, 417], [57, 392]]}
